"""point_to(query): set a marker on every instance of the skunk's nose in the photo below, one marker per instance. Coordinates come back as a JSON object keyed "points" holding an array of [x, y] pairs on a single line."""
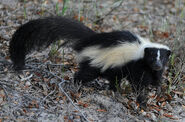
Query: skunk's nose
{"points": [[157, 66]]}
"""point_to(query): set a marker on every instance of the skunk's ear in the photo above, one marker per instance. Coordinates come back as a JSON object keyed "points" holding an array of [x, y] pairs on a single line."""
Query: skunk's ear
{"points": [[146, 50]]}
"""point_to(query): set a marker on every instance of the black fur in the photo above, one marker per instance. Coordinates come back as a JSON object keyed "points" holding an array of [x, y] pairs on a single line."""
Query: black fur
{"points": [[138, 73], [42, 32], [151, 61], [104, 40]]}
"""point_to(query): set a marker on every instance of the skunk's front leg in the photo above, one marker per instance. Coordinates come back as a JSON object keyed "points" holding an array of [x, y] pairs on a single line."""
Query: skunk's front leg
{"points": [[86, 73], [157, 82], [142, 98], [140, 86]]}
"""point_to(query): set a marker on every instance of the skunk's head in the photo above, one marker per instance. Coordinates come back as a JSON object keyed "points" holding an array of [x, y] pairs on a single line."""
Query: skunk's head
{"points": [[156, 58]]}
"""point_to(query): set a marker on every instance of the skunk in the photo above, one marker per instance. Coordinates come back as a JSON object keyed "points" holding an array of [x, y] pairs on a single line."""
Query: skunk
{"points": [[113, 56]]}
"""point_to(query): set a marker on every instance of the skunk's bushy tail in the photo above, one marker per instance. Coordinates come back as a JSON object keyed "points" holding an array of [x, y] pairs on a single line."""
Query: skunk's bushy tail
{"points": [[40, 33]]}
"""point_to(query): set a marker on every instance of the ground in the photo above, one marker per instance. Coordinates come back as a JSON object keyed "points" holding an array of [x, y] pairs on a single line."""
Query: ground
{"points": [[45, 91]]}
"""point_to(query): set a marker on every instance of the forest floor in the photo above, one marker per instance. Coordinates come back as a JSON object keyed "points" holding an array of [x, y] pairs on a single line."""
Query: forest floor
{"points": [[45, 91]]}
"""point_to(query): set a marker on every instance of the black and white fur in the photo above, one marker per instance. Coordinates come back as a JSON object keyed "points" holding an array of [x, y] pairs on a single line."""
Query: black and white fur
{"points": [[113, 56]]}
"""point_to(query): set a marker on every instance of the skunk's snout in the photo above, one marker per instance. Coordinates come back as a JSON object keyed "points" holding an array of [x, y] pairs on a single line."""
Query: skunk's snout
{"points": [[157, 66]]}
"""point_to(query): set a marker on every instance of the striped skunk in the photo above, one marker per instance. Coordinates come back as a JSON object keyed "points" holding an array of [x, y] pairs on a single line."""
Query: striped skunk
{"points": [[113, 56]]}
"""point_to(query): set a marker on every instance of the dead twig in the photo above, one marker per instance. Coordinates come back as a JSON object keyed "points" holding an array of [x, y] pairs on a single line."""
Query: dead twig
{"points": [[114, 8], [44, 71], [60, 86], [5, 83]]}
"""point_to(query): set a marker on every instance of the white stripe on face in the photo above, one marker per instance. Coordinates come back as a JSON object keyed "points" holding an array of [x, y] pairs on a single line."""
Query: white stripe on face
{"points": [[158, 55]]}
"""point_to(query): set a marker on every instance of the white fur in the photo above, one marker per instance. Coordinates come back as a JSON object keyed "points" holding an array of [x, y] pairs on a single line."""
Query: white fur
{"points": [[158, 55], [110, 57], [62, 42], [147, 44]]}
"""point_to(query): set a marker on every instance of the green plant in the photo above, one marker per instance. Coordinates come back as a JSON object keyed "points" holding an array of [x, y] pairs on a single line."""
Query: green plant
{"points": [[64, 8], [54, 50], [57, 8], [170, 74], [117, 85]]}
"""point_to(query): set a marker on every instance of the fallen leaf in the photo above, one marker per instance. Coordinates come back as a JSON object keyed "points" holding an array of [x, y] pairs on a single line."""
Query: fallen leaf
{"points": [[85, 105], [169, 97], [64, 98], [7, 57], [80, 103], [20, 120], [81, 18], [136, 10], [167, 115], [58, 60], [148, 115], [178, 92], [75, 95], [142, 110], [143, 27], [161, 34], [101, 110], [74, 69], [137, 104], [160, 99], [77, 117], [36, 105], [36, 79], [76, 17], [46, 79], [163, 104], [174, 118], [155, 105], [183, 106], [57, 99], [129, 104], [66, 63], [91, 120], [60, 1], [65, 117], [75, 111], [2, 94], [38, 74], [70, 120], [152, 96], [114, 18], [66, 77], [24, 110], [33, 104], [157, 109]]}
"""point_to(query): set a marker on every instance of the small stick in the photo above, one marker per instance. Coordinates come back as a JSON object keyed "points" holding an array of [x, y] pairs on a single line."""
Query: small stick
{"points": [[63, 81]]}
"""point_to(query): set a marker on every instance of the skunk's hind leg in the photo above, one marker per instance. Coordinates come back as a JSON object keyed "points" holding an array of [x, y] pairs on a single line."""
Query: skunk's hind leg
{"points": [[17, 56], [86, 73]]}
